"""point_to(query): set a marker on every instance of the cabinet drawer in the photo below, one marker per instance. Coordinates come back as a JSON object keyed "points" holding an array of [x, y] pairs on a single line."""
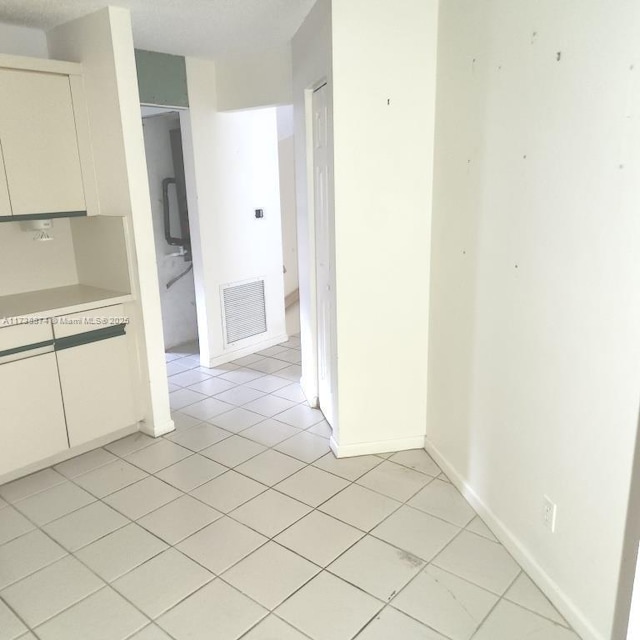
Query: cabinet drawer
{"points": [[87, 321], [19, 339]]}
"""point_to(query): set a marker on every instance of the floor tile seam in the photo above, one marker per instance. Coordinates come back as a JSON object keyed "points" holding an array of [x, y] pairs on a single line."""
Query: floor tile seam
{"points": [[133, 635], [455, 524], [51, 617], [293, 593], [210, 578], [274, 536], [537, 613], [11, 503], [406, 587], [188, 386], [322, 504], [495, 606], [368, 622], [230, 433], [105, 586], [105, 583], [270, 609], [208, 421], [424, 473], [413, 495], [190, 453], [193, 533], [306, 464], [110, 493], [453, 573], [248, 631], [41, 527], [225, 513], [349, 480], [98, 466], [323, 567], [431, 515], [122, 456], [389, 605], [295, 435], [430, 560], [188, 491], [233, 408], [16, 614]]}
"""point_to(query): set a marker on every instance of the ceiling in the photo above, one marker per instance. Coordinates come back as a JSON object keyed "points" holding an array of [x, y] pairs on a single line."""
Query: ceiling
{"points": [[200, 28]]}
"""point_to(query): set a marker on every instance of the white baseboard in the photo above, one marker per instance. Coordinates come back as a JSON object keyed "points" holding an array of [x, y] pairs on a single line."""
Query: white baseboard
{"points": [[574, 616], [381, 446], [157, 430], [228, 356]]}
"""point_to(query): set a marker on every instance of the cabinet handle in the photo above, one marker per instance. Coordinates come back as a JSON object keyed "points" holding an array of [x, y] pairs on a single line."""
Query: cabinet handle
{"points": [[25, 347], [88, 337]]}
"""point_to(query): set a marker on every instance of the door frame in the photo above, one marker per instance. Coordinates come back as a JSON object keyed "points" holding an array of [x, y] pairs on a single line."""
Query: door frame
{"points": [[310, 377]]}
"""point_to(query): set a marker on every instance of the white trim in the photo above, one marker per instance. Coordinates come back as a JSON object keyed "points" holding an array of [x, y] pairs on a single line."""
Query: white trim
{"points": [[522, 555], [379, 446], [246, 351], [43, 65], [154, 430]]}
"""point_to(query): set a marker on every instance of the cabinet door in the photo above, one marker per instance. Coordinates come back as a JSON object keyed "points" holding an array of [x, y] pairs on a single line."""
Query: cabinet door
{"points": [[97, 389], [38, 137], [32, 423]]}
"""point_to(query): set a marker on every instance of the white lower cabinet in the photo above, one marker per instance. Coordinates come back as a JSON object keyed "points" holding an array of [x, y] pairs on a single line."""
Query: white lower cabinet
{"points": [[32, 421], [97, 388], [64, 387]]}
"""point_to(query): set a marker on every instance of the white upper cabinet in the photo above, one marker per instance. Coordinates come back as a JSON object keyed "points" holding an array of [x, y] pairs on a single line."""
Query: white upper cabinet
{"points": [[39, 144]]}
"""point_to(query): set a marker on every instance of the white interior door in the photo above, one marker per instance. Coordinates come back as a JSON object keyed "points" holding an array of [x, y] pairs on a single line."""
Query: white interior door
{"points": [[325, 276]]}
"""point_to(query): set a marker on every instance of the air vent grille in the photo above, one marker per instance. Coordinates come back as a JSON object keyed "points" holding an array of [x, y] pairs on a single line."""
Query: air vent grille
{"points": [[244, 310]]}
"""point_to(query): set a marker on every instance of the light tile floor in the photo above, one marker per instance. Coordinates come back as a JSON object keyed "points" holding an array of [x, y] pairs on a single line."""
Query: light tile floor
{"points": [[242, 524]]}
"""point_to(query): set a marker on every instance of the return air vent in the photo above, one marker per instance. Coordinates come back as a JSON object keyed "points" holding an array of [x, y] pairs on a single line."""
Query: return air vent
{"points": [[244, 310]]}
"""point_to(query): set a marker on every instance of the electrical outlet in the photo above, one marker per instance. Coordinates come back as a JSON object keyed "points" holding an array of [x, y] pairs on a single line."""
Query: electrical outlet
{"points": [[549, 513]]}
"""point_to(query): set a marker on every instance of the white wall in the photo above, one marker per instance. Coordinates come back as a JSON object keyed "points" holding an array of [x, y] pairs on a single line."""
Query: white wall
{"points": [[384, 69], [254, 80], [534, 365], [23, 41], [179, 302], [103, 43], [311, 59], [231, 160]]}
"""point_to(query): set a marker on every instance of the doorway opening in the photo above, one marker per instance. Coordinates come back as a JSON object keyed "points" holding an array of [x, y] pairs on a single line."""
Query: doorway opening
{"points": [[172, 235]]}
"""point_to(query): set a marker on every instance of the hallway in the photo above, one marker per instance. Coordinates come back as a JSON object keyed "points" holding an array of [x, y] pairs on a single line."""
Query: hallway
{"points": [[242, 524]]}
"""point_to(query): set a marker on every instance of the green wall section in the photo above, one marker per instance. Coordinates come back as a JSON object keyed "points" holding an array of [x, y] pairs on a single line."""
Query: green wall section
{"points": [[162, 79]]}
